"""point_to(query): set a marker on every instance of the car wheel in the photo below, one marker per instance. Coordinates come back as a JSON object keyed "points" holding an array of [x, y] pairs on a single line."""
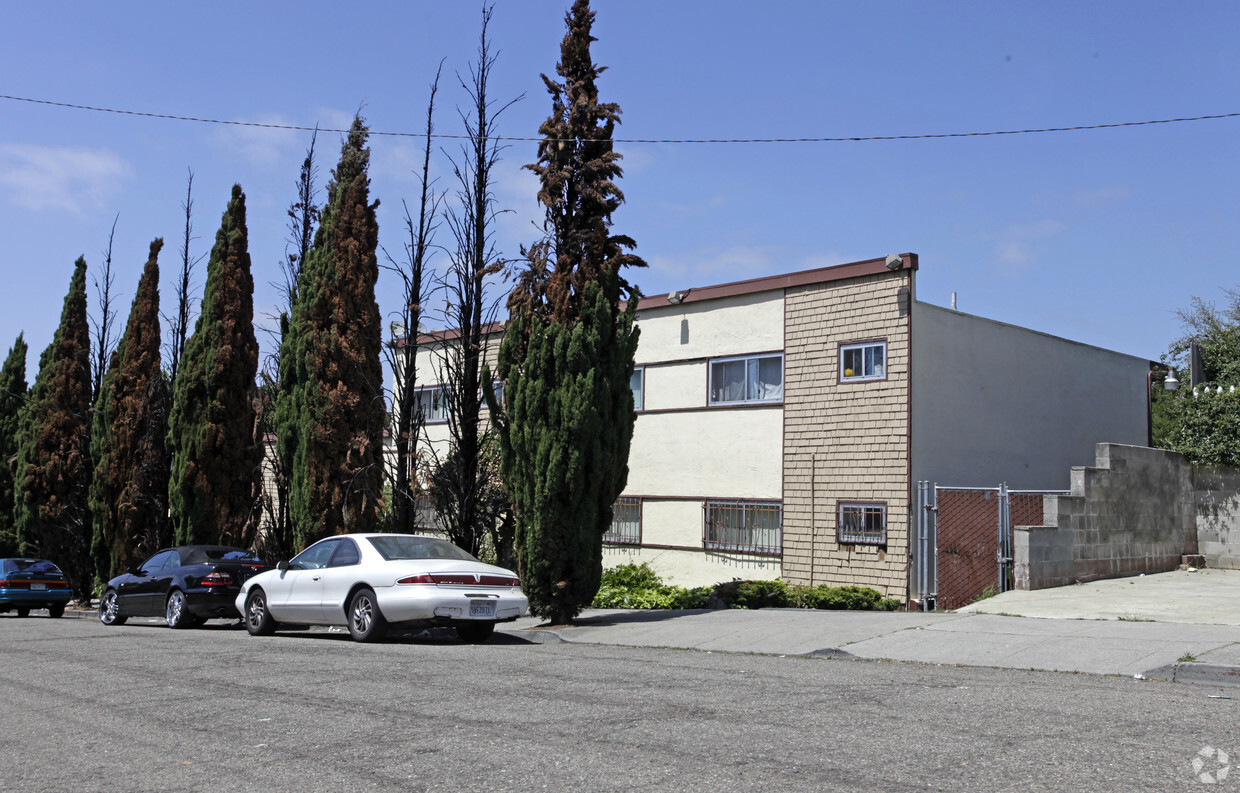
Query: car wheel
{"points": [[258, 620], [366, 622], [21, 612], [475, 632], [109, 609], [56, 611], [176, 612]]}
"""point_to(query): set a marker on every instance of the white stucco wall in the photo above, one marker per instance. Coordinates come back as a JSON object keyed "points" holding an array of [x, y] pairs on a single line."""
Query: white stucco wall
{"points": [[996, 403], [708, 454], [711, 329]]}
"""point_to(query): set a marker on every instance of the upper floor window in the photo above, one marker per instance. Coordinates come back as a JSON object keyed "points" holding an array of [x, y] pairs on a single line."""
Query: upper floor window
{"points": [[636, 383], [864, 361], [433, 404], [737, 381]]}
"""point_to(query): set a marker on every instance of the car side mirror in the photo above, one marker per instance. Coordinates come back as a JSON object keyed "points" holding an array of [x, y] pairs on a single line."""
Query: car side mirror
{"points": [[281, 565]]}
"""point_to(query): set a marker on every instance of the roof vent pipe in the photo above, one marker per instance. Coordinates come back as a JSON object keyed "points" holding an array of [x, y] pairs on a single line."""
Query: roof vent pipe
{"points": [[953, 301]]}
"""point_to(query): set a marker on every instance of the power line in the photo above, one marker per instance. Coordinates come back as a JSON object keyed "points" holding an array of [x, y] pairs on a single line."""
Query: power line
{"points": [[846, 139]]}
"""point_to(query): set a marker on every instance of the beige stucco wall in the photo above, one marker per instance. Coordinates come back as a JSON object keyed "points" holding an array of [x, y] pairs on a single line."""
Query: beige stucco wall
{"points": [[845, 441], [685, 451]]}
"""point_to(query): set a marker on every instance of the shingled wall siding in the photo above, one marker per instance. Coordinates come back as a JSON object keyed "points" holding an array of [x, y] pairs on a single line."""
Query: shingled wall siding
{"points": [[845, 441]]}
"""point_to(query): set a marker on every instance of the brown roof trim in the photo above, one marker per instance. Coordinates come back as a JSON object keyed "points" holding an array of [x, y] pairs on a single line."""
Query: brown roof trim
{"points": [[772, 282], [820, 275]]}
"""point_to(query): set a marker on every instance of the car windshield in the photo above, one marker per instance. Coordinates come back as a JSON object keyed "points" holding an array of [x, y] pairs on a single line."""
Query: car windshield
{"points": [[30, 566], [398, 546]]}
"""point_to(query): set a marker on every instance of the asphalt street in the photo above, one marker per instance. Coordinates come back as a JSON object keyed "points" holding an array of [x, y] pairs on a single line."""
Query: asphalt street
{"points": [[144, 708]]}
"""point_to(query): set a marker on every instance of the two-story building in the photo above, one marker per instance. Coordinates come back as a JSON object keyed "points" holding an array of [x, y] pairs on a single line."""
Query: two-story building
{"points": [[783, 422]]}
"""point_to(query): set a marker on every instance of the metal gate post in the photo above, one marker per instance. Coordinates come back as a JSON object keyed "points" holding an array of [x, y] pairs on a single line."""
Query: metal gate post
{"points": [[1004, 552]]}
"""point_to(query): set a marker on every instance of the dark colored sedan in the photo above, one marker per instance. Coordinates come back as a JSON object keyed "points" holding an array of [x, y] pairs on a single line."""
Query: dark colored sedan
{"points": [[27, 584], [187, 586]]}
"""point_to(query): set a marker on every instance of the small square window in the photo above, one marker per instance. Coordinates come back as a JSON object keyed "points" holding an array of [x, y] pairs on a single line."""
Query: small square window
{"points": [[863, 523], [865, 361]]}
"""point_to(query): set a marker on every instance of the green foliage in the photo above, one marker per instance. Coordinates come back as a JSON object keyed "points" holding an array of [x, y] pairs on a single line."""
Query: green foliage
{"points": [[637, 586], [482, 529], [633, 586], [567, 353], [565, 447], [129, 491], [13, 388], [52, 469], [1203, 426], [216, 460], [330, 411]]}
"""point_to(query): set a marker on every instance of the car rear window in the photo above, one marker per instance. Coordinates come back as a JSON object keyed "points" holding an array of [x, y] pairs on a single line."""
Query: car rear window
{"points": [[396, 546], [30, 566], [220, 554]]}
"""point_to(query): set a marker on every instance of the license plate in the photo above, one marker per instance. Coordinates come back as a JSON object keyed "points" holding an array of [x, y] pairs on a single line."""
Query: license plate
{"points": [[482, 608], [38, 587]]}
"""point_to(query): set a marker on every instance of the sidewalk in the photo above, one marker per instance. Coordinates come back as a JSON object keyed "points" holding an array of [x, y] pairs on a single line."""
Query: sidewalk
{"points": [[1172, 626]]}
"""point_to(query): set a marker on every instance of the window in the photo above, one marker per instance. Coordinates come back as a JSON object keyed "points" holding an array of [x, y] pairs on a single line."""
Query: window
{"points": [[635, 385], [866, 361], [863, 523], [737, 381], [432, 404], [316, 556], [626, 522], [346, 554], [751, 526]]}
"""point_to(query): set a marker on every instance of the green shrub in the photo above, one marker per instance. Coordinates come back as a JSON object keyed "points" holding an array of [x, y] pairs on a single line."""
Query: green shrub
{"points": [[636, 586]]}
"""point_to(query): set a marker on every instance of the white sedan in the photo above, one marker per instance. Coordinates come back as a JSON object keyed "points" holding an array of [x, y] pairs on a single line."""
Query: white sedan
{"points": [[370, 581]]}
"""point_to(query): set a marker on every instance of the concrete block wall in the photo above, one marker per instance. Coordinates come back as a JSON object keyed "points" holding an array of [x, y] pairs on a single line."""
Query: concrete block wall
{"points": [[1216, 491], [1132, 512]]}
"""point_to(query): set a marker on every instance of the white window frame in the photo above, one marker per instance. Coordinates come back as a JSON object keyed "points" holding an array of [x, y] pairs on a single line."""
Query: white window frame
{"points": [[777, 396], [639, 394], [426, 404], [877, 372], [730, 525], [864, 524]]}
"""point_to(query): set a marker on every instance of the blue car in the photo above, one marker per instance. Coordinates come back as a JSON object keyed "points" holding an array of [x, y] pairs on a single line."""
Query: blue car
{"points": [[27, 584]]}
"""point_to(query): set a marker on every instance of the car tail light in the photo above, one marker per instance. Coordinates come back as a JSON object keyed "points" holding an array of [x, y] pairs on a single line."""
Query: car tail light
{"points": [[500, 580], [417, 579], [218, 578]]}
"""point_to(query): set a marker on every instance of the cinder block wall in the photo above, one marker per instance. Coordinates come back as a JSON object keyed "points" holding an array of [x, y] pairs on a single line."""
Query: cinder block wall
{"points": [[1216, 491], [1132, 512]]}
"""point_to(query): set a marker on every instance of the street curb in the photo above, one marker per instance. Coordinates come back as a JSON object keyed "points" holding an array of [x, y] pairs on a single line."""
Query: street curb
{"points": [[1201, 674]]}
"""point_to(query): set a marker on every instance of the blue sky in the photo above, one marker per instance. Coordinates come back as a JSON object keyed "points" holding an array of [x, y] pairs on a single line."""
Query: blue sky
{"points": [[1097, 236]]}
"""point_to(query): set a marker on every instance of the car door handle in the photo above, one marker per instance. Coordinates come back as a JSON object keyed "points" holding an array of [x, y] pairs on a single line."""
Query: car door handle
{"points": [[316, 578]]}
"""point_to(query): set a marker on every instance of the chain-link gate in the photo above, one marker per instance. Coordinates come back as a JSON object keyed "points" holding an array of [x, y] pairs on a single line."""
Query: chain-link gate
{"points": [[963, 546]]}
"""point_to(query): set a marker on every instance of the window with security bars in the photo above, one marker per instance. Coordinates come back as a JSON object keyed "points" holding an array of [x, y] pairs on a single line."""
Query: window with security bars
{"points": [[626, 522], [863, 523], [747, 526]]}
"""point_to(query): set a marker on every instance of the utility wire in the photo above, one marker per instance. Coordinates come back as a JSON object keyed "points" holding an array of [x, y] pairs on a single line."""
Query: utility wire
{"points": [[848, 139]]}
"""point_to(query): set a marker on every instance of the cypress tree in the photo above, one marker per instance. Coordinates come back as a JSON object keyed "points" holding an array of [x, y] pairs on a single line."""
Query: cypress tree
{"points": [[215, 461], [331, 409], [129, 493], [567, 354], [53, 468], [12, 396]]}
